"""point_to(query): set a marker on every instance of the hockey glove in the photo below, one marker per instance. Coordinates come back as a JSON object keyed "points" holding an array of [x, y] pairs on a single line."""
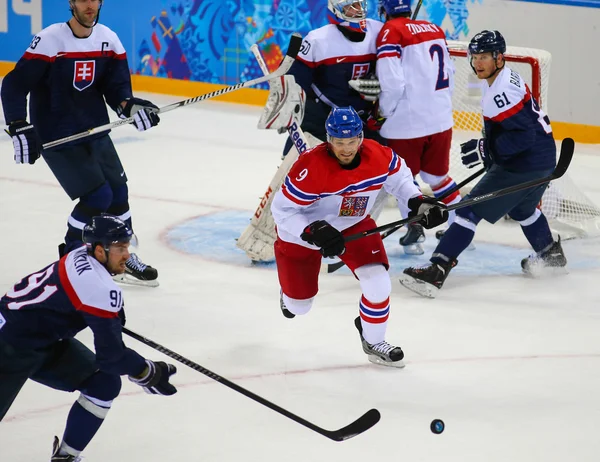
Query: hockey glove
{"points": [[475, 152], [375, 119], [26, 142], [434, 212], [325, 236], [368, 87], [155, 378], [145, 113]]}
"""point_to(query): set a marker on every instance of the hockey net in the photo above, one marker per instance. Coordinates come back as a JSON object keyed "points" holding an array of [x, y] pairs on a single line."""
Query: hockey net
{"points": [[569, 211]]}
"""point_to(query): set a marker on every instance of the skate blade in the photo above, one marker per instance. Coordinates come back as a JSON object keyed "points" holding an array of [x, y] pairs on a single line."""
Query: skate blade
{"points": [[419, 287], [413, 249], [541, 271], [380, 362], [132, 281]]}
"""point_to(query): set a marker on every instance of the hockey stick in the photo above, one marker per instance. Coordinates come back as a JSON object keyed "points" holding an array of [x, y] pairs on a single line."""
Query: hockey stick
{"points": [[566, 154], [443, 196], [357, 427], [417, 8], [293, 48], [336, 266]]}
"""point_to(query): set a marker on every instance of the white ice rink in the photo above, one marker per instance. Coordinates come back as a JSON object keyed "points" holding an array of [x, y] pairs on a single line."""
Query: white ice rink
{"points": [[512, 365]]}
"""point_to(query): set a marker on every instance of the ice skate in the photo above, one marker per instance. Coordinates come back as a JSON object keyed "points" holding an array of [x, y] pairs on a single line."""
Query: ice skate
{"points": [[440, 233], [381, 353], [550, 261], [62, 458], [426, 280], [137, 273], [411, 241], [287, 313]]}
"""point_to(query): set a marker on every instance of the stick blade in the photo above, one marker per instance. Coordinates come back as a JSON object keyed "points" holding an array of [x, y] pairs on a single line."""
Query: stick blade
{"points": [[294, 45], [335, 266], [567, 149], [362, 424]]}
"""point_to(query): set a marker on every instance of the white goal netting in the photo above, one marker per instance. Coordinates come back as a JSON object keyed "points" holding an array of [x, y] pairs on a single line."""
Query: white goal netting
{"points": [[569, 211]]}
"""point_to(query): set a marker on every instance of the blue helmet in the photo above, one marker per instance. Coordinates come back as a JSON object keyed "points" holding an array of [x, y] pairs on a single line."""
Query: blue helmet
{"points": [[338, 14], [105, 230], [393, 7], [487, 42], [343, 122]]}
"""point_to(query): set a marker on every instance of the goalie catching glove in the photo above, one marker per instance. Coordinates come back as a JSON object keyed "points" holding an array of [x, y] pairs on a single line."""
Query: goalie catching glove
{"points": [[434, 212], [284, 105], [325, 236], [368, 87], [475, 152], [155, 378]]}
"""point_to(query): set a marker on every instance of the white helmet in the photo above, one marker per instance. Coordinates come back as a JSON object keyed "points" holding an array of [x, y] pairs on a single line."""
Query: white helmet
{"points": [[348, 13]]}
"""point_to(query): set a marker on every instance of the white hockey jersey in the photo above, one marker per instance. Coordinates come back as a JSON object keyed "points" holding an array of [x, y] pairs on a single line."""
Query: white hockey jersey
{"points": [[317, 187], [416, 75]]}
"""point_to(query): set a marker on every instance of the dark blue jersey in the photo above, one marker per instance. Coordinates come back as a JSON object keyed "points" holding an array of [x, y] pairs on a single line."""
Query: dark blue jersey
{"points": [[516, 129], [69, 81], [62, 299], [328, 60]]}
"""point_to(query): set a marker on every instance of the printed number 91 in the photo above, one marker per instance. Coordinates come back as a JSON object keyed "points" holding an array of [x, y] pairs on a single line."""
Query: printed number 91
{"points": [[115, 299]]}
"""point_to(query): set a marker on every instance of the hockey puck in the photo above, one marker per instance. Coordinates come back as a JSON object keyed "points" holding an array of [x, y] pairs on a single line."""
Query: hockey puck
{"points": [[437, 426]]}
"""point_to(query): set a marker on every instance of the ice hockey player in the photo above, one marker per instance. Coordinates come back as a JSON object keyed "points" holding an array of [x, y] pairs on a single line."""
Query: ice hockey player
{"points": [[40, 316], [71, 70], [416, 77], [329, 58], [519, 147], [327, 195]]}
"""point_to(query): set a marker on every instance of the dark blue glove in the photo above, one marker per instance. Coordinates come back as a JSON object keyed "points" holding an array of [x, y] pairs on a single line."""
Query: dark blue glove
{"points": [[475, 152], [155, 379], [145, 113], [325, 236], [434, 212], [26, 142]]}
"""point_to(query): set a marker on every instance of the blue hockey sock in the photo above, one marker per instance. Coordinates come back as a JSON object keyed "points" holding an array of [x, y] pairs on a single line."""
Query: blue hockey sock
{"points": [[538, 233], [455, 240], [82, 425]]}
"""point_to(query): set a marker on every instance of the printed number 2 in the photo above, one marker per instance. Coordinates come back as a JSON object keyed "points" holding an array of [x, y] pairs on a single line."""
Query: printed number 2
{"points": [[33, 282], [34, 42], [442, 82]]}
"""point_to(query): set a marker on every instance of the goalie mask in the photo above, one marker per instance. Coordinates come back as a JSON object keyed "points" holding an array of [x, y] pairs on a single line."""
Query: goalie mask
{"points": [[351, 14]]}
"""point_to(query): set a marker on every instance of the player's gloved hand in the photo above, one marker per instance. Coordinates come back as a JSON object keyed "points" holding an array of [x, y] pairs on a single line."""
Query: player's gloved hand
{"points": [[369, 87], [155, 378], [122, 316], [26, 142], [475, 152], [434, 212], [325, 236], [145, 113], [375, 119]]}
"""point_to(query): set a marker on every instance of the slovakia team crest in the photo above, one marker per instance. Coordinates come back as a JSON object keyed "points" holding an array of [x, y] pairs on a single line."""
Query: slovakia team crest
{"points": [[84, 74], [354, 206]]}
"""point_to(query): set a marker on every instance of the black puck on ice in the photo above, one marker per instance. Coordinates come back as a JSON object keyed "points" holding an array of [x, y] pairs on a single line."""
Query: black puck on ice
{"points": [[437, 426]]}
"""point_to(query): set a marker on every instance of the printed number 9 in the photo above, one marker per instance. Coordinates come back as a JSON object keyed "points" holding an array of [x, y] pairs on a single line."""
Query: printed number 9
{"points": [[115, 299], [303, 174], [34, 42]]}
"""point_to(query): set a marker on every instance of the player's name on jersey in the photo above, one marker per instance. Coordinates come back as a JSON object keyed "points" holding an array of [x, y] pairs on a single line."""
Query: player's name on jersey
{"points": [[420, 28], [81, 261]]}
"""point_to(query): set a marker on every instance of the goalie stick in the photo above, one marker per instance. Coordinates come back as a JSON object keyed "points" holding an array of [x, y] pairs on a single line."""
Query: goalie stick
{"points": [[336, 266], [567, 149], [357, 427], [293, 49]]}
